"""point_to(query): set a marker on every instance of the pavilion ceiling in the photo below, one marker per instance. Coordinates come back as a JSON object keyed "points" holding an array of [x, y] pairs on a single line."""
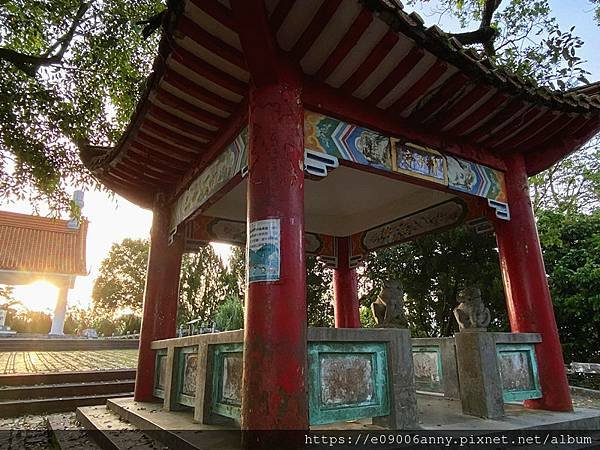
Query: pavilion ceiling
{"points": [[371, 51]]}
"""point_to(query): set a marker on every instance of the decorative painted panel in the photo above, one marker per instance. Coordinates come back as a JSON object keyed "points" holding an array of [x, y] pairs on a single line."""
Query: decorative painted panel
{"points": [[347, 381], [227, 380], [428, 368], [518, 371], [213, 178], [160, 373], [187, 364], [419, 162], [363, 146], [223, 230], [210, 229], [334, 137], [443, 215], [475, 179]]}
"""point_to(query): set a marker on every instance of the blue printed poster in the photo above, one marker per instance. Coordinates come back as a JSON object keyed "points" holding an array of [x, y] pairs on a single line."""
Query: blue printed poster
{"points": [[264, 244]]}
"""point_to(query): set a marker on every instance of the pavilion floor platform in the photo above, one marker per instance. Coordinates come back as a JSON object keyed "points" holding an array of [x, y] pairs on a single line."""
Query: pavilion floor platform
{"points": [[438, 413], [176, 429]]}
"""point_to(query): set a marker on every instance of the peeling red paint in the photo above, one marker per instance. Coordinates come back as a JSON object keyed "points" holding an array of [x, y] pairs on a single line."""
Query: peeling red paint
{"points": [[274, 385], [527, 294], [345, 289], [159, 319]]}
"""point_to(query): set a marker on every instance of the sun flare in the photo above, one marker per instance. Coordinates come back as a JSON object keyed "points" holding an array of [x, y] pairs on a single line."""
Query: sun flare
{"points": [[38, 296]]}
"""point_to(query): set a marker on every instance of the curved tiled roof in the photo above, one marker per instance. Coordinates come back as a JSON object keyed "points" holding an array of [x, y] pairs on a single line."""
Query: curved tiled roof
{"points": [[371, 50], [34, 244]]}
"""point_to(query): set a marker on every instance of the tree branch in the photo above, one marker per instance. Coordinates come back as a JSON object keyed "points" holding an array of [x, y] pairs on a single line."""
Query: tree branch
{"points": [[479, 36], [63, 43], [485, 34], [30, 64]]}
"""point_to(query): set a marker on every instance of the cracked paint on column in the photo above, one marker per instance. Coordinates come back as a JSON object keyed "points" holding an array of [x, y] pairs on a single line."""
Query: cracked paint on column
{"points": [[274, 379]]}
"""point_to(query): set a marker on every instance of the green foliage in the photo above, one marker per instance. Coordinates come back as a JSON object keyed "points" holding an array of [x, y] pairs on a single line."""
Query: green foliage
{"points": [[532, 45], [596, 10], [571, 245], [319, 293], [204, 285], [7, 297], [230, 314], [432, 269], [79, 319], [528, 39], [237, 268], [120, 283], [366, 317], [570, 186], [128, 324], [30, 322], [72, 72]]}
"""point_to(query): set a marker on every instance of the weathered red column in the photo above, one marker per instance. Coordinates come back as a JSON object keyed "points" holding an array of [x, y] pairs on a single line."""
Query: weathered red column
{"points": [[274, 379], [159, 318], [526, 288], [345, 288]]}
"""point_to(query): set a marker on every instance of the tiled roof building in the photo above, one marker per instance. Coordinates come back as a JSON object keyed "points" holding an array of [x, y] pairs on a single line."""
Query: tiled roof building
{"points": [[34, 248], [41, 245]]}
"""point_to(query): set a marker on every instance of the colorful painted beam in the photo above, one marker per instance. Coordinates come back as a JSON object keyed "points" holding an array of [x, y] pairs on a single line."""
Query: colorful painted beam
{"points": [[328, 140], [367, 147]]}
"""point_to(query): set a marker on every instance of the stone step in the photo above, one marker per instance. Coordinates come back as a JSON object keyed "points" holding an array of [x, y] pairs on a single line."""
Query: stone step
{"points": [[65, 435], [176, 429], [111, 432], [85, 376], [65, 390], [11, 408]]}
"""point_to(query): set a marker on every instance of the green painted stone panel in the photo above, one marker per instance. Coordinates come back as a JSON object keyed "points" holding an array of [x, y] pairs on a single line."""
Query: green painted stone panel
{"points": [[347, 381], [518, 372], [187, 364], [160, 373], [427, 362], [227, 380]]}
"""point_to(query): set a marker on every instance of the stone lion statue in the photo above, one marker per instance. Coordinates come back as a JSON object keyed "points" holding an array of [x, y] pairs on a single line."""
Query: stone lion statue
{"points": [[388, 309], [471, 313]]}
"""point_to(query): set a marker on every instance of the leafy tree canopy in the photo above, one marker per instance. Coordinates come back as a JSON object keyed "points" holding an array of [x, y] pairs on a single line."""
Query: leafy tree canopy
{"points": [[120, 283], [521, 35], [571, 245], [319, 293], [72, 71], [570, 186], [205, 284], [230, 315], [7, 297]]}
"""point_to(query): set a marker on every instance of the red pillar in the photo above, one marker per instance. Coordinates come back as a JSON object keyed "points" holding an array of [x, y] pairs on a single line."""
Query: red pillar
{"points": [[345, 288], [274, 379], [159, 318], [526, 288]]}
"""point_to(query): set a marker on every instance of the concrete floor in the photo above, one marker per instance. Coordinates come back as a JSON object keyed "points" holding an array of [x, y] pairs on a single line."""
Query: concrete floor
{"points": [[438, 413], [435, 413]]}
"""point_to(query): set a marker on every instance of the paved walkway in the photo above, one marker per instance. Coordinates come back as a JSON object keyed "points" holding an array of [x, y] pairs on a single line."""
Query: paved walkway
{"points": [[66, 361]]}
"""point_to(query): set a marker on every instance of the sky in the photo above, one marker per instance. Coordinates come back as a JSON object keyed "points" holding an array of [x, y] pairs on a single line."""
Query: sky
{"points": [[112, 218]]}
